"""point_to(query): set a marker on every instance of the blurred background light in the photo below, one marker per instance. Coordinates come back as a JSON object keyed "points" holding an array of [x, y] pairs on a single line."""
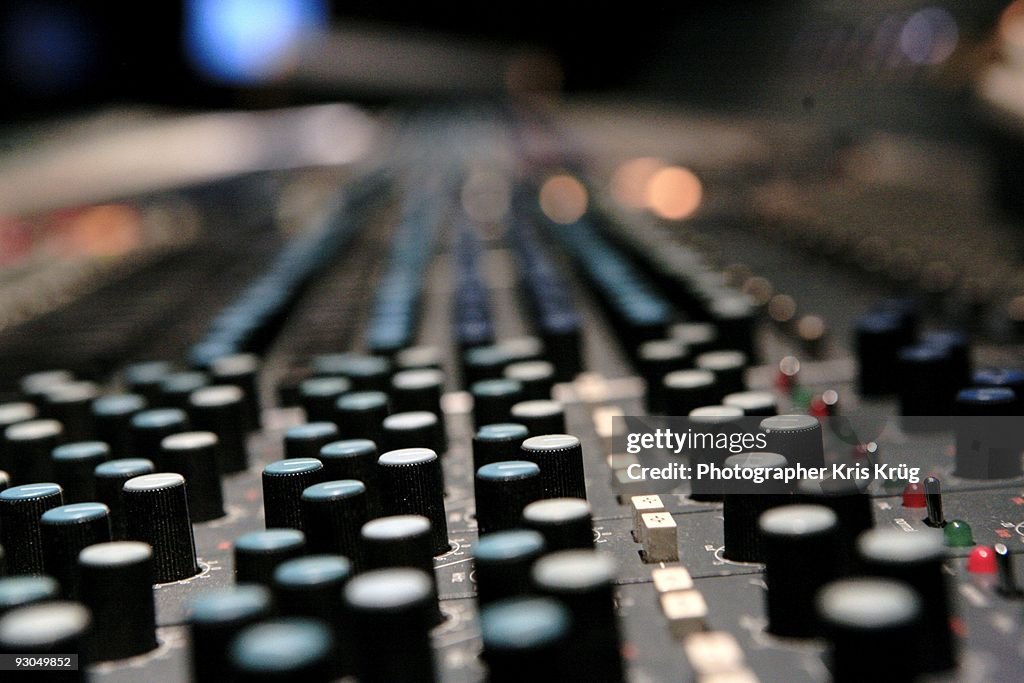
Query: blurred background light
{"points": [[674, 193], [563, 199], [929, 36], [248, 41]]}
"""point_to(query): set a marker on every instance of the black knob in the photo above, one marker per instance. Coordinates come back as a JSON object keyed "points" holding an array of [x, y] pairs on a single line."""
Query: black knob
{"points": [[318, 395], [401, 541], [11, 414], [582, 581], [852, 507], [149, 428], [48, 628], [369, 373], [65, 531], [716, 419], [483, 363], [215, 618], [655, 359], [144, 378], [521, 349], [958, 345], [391, 606], [539, 417], [876, 616], [926, 389], [288, 650], [537, 378], [879, 337], [71, 405], [415, 390], [331, 364], [503, 489], [502, 564], [18, 591], [498, 442], [221, 410], [698, 337], [311, 587], [565, 523], [524, 639], [258, 553], [799, 546], [110, 478], [745, 501], [193, 455], [734, 317], [753, 403], [493, 400], [156, 509], [177, 387], [686, 390], [728, 367], [21, 511], [112, 416], [420, 429], [283, 484], [560, 458], [117, 587], [916, 559], [418, 357], [73, 467], [412, 483], [333, 512], [360, 415], [27, 449], [988, 446], [241, 370], [35, 385], [305, 441], [354, 459], [1007, 378], [796, 437]]}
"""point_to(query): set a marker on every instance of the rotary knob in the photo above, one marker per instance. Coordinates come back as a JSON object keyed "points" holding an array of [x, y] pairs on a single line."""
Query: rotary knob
{"points": [[112, 416], [221, 410], [565, 523], [745, 501], [502, 564], [117, 585], [73, 467], [27, 449], [800, 542], [156, 507], [193, 455], [420, 429], [258, 553], [537, 377], [177, 387], [282, 650], [391, 606], [47, 628], [318, 396], [359, 415], [655, 359], [215, 618], [493, 400], [412, 483], [916, 559], [333, 512], [305, 441], [65, 531], [150, 427], [498, 442], [503, 489], [539, 417], [525, 639], [21, 511], [241, 370], [283, 484], [19, 591], [560, 458], [582, 581], [71, 405], [110, 477], [687, 390], [354, 459], [796, 437]]}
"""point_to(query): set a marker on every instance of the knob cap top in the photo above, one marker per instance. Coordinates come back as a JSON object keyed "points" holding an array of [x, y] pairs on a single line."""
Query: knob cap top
{"points": [[407, 456], [42, 624], [34, 429], [313, 570], [868, 603], [270, 540], [894, 545], [292, 466], [238, 602], [281, 645], [551, 442], [384, 589], [154, 482], [30, 491], [75, 513], [554, 510], [115, 553], [797, 520], [523, 623], [573, 570], [504, 545], [395, 526], [334, 490]]}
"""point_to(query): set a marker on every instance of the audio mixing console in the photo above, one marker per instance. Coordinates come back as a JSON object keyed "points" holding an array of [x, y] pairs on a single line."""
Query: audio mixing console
{"points": [[383, 446]]}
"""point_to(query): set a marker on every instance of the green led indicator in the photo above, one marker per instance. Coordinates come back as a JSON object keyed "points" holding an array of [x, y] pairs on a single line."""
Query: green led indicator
{"points": [[958, 534]]}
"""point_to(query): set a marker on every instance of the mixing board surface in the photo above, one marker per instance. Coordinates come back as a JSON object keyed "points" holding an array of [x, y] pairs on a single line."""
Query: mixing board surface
{"points": [[497, 266]]}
